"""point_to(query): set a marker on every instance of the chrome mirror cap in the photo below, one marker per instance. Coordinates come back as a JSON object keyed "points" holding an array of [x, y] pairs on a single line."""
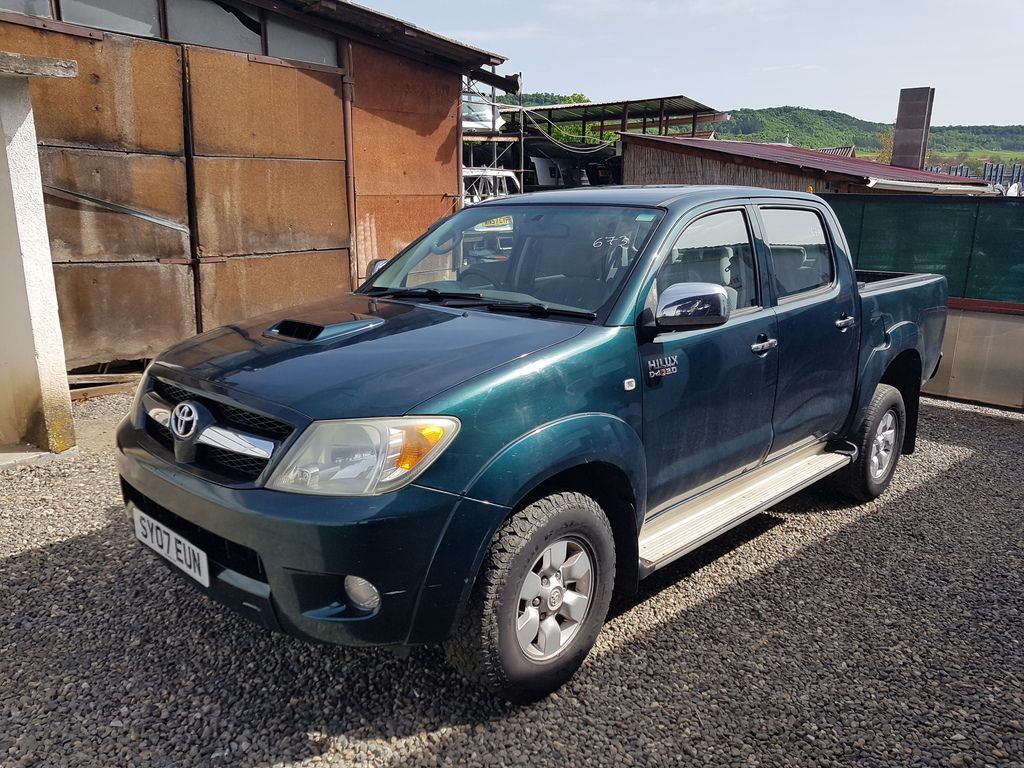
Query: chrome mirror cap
{"points": [[692, 305], [374, 267]]}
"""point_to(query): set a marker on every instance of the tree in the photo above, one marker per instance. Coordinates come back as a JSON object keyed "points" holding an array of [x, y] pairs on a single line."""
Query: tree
{"points": [[885, 153]]}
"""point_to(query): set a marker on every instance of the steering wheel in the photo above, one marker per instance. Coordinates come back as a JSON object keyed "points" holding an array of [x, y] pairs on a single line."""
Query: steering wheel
{"points": [[477, 278]]}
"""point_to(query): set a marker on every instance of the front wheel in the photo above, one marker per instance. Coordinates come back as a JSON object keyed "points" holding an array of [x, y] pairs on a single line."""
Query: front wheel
{"points": [[879, 441], [540, 600]]}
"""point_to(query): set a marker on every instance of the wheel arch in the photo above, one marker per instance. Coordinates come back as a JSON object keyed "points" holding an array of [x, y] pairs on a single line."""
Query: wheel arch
{"points": [[904, 373], [597, 454]]}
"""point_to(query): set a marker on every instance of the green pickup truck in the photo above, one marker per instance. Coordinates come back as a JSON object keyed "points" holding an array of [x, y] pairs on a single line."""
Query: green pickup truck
{"points": [[539, 402]]}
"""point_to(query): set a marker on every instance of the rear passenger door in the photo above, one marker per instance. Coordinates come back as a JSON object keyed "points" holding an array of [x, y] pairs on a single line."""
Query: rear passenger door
{"points": [[818, 339], [708, 392]]}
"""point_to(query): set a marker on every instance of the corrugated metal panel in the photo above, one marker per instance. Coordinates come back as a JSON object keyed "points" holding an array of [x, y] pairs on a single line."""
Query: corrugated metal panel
{"points": [[244, 108], [122, 311], [127, 95], [385, 225], [82, 231], [405, 131], [393, 31], [405, 153], [985, 359], [385, 82], [612, 111], [248, 286], [799, 158], [269, 205]]}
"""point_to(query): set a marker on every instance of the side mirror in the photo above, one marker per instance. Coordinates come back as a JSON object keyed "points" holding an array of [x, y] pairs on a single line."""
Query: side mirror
{"points": [[375, 266], [692, 305]]}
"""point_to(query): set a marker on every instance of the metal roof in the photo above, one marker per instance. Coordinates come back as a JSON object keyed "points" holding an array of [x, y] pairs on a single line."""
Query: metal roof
{"points": [[799, 157], [847, 151], [612, 111], [380, 28]]}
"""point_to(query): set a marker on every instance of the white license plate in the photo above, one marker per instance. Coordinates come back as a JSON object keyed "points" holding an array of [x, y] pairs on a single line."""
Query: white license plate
{"points": [[169, 545]]}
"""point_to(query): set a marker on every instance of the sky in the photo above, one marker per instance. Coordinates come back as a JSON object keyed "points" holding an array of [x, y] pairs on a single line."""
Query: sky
{"points": [[851, 57]]}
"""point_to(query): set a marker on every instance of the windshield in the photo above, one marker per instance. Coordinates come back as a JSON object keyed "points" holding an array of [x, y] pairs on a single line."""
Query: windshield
{"points": [[560, 257]]}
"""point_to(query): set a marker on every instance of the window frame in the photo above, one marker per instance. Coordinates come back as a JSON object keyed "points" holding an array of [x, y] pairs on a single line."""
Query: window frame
{"points": [[829, 247], [56, 23], [738, 207]]}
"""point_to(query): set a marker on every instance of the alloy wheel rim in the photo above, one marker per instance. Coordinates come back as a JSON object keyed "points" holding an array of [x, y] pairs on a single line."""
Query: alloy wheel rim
{"points": [[554, 599], [883, 445]]}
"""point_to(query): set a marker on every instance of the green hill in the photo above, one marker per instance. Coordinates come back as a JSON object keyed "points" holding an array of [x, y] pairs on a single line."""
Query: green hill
{"points": [[816, 128], [812, 128]]}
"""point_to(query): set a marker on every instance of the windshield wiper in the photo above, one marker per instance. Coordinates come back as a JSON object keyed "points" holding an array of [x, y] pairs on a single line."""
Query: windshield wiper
{"points": [[536, 308], [431, 294]]}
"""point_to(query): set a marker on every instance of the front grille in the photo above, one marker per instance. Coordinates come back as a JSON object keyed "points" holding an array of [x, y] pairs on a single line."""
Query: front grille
{"points": [[226, 415], [227, 464], [161, 433], [233, 465], [221, 551]]}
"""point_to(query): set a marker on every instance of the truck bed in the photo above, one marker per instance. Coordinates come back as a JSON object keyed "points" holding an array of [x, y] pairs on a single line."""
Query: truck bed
{"points": [[869, 280]]}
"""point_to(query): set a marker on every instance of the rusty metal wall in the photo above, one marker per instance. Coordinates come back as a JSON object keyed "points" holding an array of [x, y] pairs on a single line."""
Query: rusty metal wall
{"points": [[269, 184], [257, 196], [114, 133], [405, 131]]}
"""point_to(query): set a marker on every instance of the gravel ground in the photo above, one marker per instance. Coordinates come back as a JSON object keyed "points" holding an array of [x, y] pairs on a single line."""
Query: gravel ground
{"points": [[816, 634]]}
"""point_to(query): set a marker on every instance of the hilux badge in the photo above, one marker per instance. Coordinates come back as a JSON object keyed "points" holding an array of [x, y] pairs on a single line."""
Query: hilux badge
{"points": [[662, 366], [184, 419]]}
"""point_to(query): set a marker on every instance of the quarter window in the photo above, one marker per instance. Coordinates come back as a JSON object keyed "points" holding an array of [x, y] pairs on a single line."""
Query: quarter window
{"points": [[801, 258], [234, 26], [31, 7], [297, 41], [133, 17], [714, 249]]}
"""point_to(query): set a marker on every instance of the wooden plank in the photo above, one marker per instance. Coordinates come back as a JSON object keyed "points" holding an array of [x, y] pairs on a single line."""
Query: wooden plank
{"points": [[93, 379], [122, 311], [84, 393], [253, 206], [246, 108], [246, 286], [127, 95], [83, 231], [36, 66]]}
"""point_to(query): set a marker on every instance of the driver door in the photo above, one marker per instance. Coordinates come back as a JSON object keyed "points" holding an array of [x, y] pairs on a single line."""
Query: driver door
{"points": [[707, 395]]}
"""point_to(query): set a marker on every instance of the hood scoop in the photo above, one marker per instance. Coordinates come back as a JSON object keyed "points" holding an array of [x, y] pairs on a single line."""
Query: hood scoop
{"points": [[302, 331]]}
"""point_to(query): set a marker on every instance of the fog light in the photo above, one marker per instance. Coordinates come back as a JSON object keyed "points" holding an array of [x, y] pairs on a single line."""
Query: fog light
{"points": [[362, 593]]}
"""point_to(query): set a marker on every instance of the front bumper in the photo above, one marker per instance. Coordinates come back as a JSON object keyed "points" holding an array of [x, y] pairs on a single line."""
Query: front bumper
{"points": [[281, 558]]}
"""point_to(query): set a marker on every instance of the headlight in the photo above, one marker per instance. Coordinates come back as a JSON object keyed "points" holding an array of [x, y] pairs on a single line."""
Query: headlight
{"points": [[362, 458]]}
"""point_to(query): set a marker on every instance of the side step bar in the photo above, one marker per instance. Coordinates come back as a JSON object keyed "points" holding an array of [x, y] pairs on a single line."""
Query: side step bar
{"points": [[682, 529]]}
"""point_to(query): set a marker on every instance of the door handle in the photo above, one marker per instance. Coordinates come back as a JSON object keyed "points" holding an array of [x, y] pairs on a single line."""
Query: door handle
{"points": [[844, 322], [761, 347]]}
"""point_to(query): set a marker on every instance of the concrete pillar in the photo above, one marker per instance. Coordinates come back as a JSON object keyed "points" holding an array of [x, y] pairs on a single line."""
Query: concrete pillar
{"points": [[35, 405]]}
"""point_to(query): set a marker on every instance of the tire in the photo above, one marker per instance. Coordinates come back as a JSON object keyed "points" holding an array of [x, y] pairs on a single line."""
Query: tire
{"points": [[864, 479], [486, 647]]}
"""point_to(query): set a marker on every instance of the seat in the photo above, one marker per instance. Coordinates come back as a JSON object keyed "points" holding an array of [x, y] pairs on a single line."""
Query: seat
{"points": [[700, 265], [791, 275]]}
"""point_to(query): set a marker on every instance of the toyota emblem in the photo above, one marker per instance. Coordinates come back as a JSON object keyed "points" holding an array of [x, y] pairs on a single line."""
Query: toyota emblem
{"points": [[184, 419]]}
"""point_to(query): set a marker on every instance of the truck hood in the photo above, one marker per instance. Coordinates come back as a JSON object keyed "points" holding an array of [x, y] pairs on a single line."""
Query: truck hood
{"points": [[357, 356]]}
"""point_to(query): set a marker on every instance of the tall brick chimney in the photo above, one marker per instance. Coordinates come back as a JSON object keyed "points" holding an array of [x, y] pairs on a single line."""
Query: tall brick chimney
{"points": [[914, 118]]}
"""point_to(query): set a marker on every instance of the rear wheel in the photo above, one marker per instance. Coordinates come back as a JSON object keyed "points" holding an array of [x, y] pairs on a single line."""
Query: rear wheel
{"points": [[540, 601], [879, 442]]}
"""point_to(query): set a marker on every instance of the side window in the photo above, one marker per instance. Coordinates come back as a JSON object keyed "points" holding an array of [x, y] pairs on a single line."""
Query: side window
{"points": [[801, 258], [714, 249]]}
